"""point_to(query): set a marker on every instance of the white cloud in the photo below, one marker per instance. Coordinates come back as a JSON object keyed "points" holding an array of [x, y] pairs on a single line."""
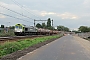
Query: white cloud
{"points": [[67, 15], [14, 7], [3, 3], [2, 16], [44, 13]]}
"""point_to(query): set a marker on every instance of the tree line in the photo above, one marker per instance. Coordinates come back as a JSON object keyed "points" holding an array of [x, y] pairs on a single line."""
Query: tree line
{"points": [[62, 28], [48, 26], [84, 29], [11, 27]]}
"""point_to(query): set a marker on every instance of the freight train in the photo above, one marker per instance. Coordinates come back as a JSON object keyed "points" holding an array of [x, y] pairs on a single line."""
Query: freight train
{"points": [[22, 30]]}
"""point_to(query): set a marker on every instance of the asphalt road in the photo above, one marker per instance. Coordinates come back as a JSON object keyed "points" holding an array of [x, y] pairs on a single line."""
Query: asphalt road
{"points": [[65, 48]]}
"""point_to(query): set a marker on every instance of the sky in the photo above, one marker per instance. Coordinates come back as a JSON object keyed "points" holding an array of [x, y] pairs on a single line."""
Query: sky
{"points": [[69, 13]]}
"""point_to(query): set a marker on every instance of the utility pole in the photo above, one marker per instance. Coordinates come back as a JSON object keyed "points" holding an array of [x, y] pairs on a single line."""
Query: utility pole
{"points": [[38, 20], [52, 26], [41, 20], [34, 22]]}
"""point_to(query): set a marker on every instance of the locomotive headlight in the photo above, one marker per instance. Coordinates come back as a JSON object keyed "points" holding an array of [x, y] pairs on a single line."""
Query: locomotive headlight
{"points": [[18, 30]]}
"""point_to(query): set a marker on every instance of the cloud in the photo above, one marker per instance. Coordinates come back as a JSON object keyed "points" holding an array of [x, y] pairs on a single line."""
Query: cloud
{"points": [[86, 3], [3, 3], [2, 16], [70, 13], [67, 15], [44, 13], [4, 7]]}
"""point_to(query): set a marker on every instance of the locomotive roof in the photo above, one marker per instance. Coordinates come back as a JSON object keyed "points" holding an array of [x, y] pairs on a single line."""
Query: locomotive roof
{"points": [[26, 26]]}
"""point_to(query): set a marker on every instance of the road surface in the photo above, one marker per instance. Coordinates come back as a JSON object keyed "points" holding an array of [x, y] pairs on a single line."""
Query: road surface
{"points": [[65, 48]]}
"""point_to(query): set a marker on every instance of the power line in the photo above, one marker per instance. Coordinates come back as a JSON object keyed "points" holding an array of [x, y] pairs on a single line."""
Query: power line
{"points": [[14, 17], [18, 4], [15, 12]]}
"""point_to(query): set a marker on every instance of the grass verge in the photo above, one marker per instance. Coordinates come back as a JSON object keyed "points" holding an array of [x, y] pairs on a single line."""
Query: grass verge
{"points": [[87, 39], [10, 47]]}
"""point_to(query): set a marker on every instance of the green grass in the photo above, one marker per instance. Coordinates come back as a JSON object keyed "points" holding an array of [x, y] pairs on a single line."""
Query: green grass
{"points": [[10, 47], [87, 39]]}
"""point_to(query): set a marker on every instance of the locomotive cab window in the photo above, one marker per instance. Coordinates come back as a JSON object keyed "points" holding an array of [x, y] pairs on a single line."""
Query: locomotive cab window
{"points": [[20, 27], [16, 26]]}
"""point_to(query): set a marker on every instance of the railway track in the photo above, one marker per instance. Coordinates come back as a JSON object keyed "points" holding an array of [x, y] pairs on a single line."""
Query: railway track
{"points": [[15, 38]]}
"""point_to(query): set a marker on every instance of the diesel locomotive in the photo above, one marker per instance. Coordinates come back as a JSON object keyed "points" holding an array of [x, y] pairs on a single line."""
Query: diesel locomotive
{"points": [[22, 30]]}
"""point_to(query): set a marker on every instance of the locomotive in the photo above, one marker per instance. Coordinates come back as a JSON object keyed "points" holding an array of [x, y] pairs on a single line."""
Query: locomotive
{"points": [[22, 30]]}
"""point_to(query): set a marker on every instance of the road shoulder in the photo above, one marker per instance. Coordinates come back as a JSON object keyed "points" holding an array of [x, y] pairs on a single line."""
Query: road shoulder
{"points": [[84, 43]]}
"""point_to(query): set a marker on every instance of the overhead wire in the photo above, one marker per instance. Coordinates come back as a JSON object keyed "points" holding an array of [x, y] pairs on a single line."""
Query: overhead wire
{"points": [[15, 12], [14, 17], [18, 4]]}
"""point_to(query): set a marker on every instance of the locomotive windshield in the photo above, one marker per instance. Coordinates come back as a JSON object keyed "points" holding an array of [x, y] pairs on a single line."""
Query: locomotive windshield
{"points": [[16, 26], [20, 27]]}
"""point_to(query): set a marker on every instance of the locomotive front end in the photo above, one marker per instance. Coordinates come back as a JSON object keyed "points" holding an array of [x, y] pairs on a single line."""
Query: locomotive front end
{"points": [[19, 29]]}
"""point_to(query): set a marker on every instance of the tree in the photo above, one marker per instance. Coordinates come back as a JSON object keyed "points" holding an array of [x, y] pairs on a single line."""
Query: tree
{"points": [[43, 25], [62, 28], [2, 26], [51, 28], [12, 27], [49, 22], [84, 29], [38, 25], [66, 29]]}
